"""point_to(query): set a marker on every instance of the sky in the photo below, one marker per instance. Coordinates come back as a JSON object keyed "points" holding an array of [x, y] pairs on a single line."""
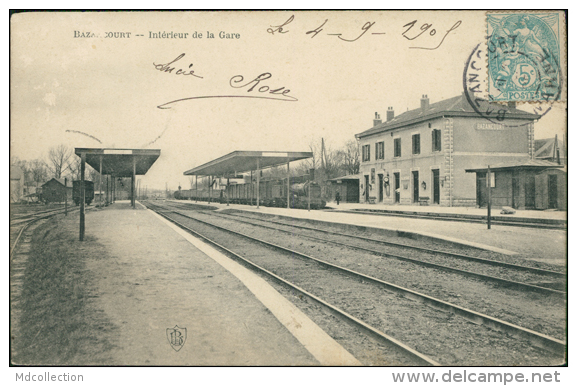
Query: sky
{"points": [[78, 79]]}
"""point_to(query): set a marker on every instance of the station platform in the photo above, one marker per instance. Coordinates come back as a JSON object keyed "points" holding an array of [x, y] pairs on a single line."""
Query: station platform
{"points": [[152, 277], [555, 217], [545, 245]]}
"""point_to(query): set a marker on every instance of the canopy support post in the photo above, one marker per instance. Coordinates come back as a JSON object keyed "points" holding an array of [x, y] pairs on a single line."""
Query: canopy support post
{"points": [[82, 195], [132, 183], [288, 184], [258, 183], [100, 184]]}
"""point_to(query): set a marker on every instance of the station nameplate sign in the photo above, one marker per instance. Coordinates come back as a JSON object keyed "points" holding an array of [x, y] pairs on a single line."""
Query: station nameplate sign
{"points": [[117, 151], [489, 126], [274, 154]]}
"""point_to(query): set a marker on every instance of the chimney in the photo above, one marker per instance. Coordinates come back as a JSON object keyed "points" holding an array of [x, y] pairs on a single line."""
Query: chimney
{"points": [[390, 114], [512, 104], [377, 120], [424, 103]]}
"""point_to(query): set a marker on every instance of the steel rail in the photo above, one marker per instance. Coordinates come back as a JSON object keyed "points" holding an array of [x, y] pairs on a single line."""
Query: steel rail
{"points": [[424, 249], [29, 222], [461, 219], [506, 282], [373, 332], [537, 338], [20, 216]]}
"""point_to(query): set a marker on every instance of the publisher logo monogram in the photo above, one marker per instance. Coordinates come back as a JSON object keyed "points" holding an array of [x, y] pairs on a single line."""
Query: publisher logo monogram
{"points": [[176, 337]]}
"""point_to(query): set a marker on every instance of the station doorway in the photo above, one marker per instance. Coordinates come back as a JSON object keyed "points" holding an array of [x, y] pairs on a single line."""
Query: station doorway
{"points": [[380, 188], [552, 190], [415, 186], [436, 187], [397, 177], [367, 187]]}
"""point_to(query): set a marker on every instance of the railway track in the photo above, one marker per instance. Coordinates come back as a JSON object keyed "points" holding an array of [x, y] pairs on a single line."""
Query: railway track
{"points": [[497, 263], [20, 223], [312, 275], [495, 220], [510, 275], [18, 217]]}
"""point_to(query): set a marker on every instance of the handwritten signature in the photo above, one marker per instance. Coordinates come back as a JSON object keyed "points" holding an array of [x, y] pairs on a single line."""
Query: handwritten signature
{"points": [[282, 29], [262, 89], [166, 68]]}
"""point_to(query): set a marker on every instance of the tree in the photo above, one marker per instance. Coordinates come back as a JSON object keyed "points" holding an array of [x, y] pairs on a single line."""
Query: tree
{"points": [[58, 158], [73, 171], [39, 171], [350, 158], [74, 168]]}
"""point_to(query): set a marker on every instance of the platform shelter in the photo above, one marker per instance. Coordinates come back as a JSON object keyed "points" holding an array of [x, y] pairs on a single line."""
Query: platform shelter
{"points": [[247, 161], [112, 164], [530, 184]]}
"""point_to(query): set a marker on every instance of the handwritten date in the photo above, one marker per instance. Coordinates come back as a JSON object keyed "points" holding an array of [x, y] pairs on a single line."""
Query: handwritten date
{"points": [[424, 28], [409, 33]]}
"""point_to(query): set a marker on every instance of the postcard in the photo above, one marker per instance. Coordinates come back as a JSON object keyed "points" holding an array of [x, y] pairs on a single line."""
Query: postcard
{"points": [[397, 179]]}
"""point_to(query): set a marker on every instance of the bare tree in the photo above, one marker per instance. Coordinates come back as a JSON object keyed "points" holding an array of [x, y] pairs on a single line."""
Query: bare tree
{"points": [[39, 171], [93, 174], [74, 168], [58, 158], [350, 158]]}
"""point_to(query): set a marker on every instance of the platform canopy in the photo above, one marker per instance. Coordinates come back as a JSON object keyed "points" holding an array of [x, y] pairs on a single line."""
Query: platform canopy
{"points": [[244, 161], [120, 162], [532, 164], [350, 177]]}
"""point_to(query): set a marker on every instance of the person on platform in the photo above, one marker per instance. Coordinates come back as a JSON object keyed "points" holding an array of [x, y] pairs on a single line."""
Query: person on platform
{"points": [[338, 197]]}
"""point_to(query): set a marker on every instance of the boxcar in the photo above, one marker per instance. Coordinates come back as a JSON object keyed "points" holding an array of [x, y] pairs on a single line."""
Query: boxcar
{"points": [[88, 192]]}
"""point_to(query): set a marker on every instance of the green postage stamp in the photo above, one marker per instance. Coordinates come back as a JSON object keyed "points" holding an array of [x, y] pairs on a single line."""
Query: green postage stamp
{"points": [[524, 56]]}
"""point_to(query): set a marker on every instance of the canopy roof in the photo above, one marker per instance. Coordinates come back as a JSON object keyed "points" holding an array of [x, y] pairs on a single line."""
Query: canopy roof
{"points": [[349, 177], [244, 161], [119, 162], [528, 164]]}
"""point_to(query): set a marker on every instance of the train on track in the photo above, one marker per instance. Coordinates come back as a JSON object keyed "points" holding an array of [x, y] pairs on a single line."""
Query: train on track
{"points": [[88, 192], [273, 192], [56, 192]]}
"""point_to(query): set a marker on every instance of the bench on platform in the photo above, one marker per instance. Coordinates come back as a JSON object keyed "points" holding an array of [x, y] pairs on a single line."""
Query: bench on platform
{"points": [[424, 201], [372, 200]]}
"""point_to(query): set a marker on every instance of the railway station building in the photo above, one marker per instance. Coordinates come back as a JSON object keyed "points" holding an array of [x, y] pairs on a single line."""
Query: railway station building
{"points": [[420, 157]]}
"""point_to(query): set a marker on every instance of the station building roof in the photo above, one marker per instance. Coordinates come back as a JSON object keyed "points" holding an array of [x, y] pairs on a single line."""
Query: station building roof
{"points": [[453, 107], [61, 181], [533, 164], [244, 161], [120, 162]]}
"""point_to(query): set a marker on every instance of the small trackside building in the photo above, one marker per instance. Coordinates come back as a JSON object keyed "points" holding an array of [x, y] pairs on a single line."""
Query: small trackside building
{"points": [[347, 187], [55, 191], [532, 184], [420, 156]]}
